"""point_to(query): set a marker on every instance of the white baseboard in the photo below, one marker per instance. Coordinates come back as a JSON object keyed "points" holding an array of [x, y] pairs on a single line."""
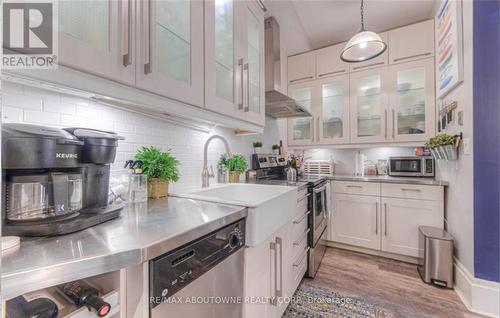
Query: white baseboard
{"points": [[479, 296]]}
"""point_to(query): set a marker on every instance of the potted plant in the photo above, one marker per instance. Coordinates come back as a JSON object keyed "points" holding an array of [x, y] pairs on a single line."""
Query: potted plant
{"points": [[257, 147], [236, 165], [442, 147], [160, 167], [276, 149]]}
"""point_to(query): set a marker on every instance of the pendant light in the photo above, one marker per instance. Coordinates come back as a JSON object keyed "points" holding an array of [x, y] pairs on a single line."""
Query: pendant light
{"points": [[363, 46]]}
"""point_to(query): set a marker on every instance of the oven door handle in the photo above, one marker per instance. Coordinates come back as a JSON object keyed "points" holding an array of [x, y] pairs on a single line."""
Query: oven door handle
{"points": [[321, 189]]}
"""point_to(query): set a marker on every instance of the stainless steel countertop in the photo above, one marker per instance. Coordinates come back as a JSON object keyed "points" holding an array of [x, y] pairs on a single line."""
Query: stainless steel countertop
{"points": [[388, 179], [144, 231]]}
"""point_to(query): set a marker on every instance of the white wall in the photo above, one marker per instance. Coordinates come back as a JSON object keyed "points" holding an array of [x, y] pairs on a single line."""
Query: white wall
{"points": [[37, 106], [460, 213]]}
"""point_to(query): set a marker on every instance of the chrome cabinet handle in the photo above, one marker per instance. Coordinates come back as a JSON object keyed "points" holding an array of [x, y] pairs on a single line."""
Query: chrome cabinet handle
{"points": [[272, 246], [302, 257], [385, 117], [406, 189], [385, 219], [365, 66], [393, 124], [279, 292], [148, 67], [354, 186], [331, 73], [317, 129], [304, 197], [302, 218], [247, 106], [376, 218], [126, 57], [240, 66], [411, 57], [302, 78], [297, 242]]}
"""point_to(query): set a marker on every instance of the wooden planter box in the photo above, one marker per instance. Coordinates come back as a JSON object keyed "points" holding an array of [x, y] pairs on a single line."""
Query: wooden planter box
{"points": [[234, 177], [157, 188]]}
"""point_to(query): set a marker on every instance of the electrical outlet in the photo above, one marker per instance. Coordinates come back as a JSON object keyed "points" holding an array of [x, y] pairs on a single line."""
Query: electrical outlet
{"points": [[466, 146]]}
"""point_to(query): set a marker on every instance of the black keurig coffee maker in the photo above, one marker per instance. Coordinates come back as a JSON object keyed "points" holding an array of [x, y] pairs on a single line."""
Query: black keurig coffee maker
{"points": [[55, 181]]}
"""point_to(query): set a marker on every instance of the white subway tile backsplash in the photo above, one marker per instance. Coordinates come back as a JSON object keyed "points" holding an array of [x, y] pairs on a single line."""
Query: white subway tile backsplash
{"points": [[52, 106], [38, 117], [26, 102]]}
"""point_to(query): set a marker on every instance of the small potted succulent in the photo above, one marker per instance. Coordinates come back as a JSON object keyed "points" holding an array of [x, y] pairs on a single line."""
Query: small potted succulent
{"points": [[161, 167], [276, 149], [257, 147], [442, 147], [236, 165]]}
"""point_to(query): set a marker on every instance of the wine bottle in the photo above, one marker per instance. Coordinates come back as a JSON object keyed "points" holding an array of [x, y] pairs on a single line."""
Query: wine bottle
{"points": [[281, 149], [83, 294], [41, 307]]}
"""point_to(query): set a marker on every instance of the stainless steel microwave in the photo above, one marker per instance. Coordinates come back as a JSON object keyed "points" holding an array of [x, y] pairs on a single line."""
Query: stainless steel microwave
{"points": [[411, 166]]}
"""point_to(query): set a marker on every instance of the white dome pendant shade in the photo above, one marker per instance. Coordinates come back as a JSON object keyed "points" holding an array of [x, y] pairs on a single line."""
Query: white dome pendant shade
{"points": [[363, 46]]}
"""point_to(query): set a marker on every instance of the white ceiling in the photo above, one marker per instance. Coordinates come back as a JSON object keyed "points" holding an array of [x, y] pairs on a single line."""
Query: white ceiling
{"points": [[325, 22]]}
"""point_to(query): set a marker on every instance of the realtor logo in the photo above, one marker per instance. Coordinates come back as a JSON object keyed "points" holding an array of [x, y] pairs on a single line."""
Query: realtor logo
{"points": [[29, 35]]}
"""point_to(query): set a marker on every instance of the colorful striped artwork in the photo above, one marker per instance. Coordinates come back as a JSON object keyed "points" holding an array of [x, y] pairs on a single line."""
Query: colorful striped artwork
{"points": [[449, 51]]}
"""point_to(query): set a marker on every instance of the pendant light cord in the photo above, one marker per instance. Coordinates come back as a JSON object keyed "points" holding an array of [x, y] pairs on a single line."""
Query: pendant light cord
{"points": [[362, 10]]}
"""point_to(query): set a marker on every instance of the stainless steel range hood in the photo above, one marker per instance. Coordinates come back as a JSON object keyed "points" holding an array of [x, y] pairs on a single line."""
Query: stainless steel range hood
{"points": [[278, 105]]}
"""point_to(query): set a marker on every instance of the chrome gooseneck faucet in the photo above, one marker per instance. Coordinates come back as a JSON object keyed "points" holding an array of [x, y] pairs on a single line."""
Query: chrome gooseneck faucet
{"points": [[205, 176]]}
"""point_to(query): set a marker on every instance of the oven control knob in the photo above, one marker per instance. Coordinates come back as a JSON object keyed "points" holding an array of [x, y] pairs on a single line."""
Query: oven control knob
{"points": [[234, 240]]}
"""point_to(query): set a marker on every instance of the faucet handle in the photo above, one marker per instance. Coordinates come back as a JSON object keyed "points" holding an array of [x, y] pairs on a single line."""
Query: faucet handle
{"points": [[211, 174]]}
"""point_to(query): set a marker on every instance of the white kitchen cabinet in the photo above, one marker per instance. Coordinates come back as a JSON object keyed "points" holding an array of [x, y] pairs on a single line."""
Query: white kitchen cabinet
{"points": [[301, 67], [355, 220], [412, 42], [301, 130], [223, 57], [332, 111], [412, 100], [401, 219], [97, 37], [369, 106], [381, 60], [252, 42], [328, 62], [170, 49]]}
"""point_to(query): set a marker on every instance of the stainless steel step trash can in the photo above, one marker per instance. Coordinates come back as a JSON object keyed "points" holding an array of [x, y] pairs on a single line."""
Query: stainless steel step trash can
{"points": [[436, 256]]}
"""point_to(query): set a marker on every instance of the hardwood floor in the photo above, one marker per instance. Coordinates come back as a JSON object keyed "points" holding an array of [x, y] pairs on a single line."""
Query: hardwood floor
{"points": [[395, 285]]}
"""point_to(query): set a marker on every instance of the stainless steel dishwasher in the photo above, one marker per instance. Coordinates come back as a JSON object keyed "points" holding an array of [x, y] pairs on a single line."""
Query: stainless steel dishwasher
{"points": [[203, 278]]}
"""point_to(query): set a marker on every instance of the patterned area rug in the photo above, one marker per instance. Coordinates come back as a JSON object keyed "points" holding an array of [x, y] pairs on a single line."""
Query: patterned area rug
{"points": [[313, 302]]}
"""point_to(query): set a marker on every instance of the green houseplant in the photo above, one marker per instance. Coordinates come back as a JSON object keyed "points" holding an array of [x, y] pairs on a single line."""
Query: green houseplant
{"points": [[161, 167], [257, 146], [276, 149], [236, 165], [442, 147]]}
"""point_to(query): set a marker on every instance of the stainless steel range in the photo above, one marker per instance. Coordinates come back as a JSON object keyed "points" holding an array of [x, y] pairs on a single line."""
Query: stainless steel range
{"points": [[272, 169]]}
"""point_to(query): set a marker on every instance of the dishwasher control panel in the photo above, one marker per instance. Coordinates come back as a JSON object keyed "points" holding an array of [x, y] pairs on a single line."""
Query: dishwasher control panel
{"points": [[171, 272]]}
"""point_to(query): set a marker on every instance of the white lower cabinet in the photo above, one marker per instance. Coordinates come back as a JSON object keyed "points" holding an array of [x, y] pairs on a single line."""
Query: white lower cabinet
{"points": [[401, 219], [274, 269], [354, 220], [387, 222]]}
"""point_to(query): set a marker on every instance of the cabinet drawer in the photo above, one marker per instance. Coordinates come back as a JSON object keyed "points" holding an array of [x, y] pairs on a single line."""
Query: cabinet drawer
{"points": [[299, 267], [362, 188], [302, 194], [413, 191], [299, 226], [302, 207], [299, 244]]}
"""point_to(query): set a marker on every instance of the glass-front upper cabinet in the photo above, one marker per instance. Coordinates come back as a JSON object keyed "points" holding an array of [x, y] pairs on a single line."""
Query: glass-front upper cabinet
{"points": [[412, 101], [223, 74], [332, 121], [301, 130], [96, 36], [252, 41], [170, 49], [369, 106]]}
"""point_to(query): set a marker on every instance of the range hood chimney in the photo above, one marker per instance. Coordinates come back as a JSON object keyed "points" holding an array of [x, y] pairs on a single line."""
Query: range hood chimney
{"points": [[278, 105]]}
